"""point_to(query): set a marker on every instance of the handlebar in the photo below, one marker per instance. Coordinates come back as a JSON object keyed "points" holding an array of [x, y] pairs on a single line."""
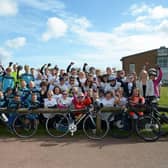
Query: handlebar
{"points": [[151, 100]]}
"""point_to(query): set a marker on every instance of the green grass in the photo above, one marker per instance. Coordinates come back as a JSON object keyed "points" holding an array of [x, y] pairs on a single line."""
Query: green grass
{"points": [[164, 96], [41, 131]]}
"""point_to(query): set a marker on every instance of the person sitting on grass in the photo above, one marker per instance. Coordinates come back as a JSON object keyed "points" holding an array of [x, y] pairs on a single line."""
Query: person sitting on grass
{"points": [[9, 95], [121, 100], [64, 101], [80, 102], [33, 104], [13, 105], [108, 101], [49, 102], [136, 101]]}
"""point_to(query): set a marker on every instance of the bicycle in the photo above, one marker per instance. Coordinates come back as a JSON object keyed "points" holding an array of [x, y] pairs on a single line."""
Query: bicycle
{"points": [[132, 120], [94, 125], [152, 109], [4, 120], [25, 124]]}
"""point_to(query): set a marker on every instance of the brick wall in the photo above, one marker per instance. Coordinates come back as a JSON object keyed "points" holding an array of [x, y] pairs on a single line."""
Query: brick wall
{"points": [[139, 60]]}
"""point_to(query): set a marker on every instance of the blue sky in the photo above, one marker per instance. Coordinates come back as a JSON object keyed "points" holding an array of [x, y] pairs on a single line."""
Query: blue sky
{"points": [[99, 32]]}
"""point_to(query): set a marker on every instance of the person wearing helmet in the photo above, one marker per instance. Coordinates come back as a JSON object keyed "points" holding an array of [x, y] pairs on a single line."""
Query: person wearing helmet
{"points": [[156, 78]]}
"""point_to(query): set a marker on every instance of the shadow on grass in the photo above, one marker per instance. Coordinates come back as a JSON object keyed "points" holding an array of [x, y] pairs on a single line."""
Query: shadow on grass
{"points": [[45, 141]]}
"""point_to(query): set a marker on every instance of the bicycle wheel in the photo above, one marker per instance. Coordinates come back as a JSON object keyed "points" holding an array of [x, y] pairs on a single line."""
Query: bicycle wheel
{"points": [[95, 127], [25, 126], [57, 126], [148, 128], [163, 119], [120, 126]]}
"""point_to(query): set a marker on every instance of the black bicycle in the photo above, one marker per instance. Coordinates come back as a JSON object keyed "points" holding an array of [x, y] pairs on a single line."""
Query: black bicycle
{"points": [[25, 124], [94, 125], [5, 121], [132, 120], [152, 109]]}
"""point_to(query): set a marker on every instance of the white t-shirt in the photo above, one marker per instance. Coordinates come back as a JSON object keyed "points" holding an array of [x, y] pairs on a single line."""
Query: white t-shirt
{"points": [[56, 97], [63, 87], [66, 102], [49, 103], [108, 87], [123, 101], [108, 103]]}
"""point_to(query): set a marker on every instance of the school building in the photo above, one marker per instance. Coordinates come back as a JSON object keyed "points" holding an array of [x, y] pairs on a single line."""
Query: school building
{"points": [[135, 62]]}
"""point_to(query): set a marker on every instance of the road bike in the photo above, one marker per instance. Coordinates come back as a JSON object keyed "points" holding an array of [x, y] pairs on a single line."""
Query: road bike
{"points": [[152, 110], [132, 120], [94, 124]]}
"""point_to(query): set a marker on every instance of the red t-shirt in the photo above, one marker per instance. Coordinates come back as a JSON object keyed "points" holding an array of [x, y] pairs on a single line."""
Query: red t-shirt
{"points": [[81, 104]]}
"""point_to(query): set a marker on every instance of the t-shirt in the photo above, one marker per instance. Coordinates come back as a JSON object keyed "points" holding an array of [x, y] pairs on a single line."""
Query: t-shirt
{"points": [[49, 103], [65, 102], [108, 103], [56, 97]]}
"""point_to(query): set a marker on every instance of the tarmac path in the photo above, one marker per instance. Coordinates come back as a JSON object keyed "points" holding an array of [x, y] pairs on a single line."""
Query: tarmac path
{"points": [[79, 152]]}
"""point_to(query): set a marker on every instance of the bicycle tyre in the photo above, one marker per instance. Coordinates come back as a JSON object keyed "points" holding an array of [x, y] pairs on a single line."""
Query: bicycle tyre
{"points": [[25, 126], [57, 126], [148, 128], [120, 129], [90, 127]]}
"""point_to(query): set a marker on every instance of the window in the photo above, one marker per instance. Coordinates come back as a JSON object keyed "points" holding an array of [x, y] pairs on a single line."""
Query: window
{"points": [[162, 51], [162, 61], [132, 67]]}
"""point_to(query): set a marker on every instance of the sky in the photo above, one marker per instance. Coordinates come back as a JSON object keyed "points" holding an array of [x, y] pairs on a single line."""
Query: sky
{"points": [[99, 32]]}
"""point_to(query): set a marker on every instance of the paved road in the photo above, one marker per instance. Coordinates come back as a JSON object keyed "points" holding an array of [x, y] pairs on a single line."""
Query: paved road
{"points": [[82, 153]]}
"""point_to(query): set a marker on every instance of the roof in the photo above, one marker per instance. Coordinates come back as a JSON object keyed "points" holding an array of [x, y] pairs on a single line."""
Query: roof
{"points": [[138, 54]]}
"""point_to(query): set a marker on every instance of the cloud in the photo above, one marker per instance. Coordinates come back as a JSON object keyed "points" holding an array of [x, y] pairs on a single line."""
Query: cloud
{"points": [[16, 43], [45, 5], [8, 7], [153, 13], [132, 26], [79, 24], [4, 55], [149, 19], [136, 9], [56, 28], [126, 39], [163, 27]]}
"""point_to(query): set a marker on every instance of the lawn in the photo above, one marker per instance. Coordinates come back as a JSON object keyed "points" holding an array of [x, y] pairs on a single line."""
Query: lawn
{"points": [[41, 131], [164, 96]]}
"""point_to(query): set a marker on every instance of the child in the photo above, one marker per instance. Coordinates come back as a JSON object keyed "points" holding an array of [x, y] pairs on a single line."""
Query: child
{"points": [[135, 101]]}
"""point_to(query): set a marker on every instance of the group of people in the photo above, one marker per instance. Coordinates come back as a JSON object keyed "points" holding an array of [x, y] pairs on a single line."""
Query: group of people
{"points": [[52, 87]]}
